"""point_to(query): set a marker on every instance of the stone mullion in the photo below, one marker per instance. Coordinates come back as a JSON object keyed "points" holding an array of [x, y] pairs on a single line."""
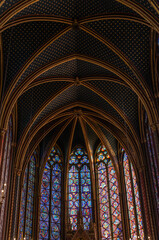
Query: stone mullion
{"points": [[149, 212], [50, 202], [16, 205], [126, 204], [79, 182], [142, 206], [36, 202], [62, 218], [97, 203], [123, 204], [134, 202], [110, 213], [65, 202], [26, 200]]}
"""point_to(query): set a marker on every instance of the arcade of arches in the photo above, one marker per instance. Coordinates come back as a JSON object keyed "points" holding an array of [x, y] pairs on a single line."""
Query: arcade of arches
{"points": [[79, 121]]}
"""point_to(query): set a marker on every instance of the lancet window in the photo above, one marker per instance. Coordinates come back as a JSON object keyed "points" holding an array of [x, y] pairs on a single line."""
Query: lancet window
{"points": [[50, 203], [108, 196], [27, 200], [133, 199], [79, 188]]}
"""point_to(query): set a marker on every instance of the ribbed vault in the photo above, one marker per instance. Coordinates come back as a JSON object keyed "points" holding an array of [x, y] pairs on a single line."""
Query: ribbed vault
{"points": [[76, 71]]}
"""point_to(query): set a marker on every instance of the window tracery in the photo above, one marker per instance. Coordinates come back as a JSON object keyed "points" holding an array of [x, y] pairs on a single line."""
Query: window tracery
{"points": [[50, 203], [79, 188], [80, 196], [27, 200], [133, 201], [108, 195]]}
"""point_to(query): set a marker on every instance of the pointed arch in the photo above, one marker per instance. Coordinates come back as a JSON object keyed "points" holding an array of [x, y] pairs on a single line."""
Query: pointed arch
{"points": [[136, 7], [15, 9], [50, 201], [27, 199], [133, 199], [144, 94], [108, 196], [79, 188]]}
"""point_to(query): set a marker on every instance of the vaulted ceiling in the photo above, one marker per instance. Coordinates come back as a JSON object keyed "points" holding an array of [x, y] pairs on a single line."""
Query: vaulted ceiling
{"points": [[76, 71]]}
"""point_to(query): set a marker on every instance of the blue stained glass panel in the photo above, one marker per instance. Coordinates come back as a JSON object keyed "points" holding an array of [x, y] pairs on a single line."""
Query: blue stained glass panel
{"points": [[50, 205], [86, 196], [79, 182], [27, 201]]}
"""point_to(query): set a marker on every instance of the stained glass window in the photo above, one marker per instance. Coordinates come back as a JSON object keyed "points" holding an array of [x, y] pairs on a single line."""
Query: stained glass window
{"points": [[4, 176], [132, 191], [108, 192], [27, 200], [79, 188], [50, 203]]}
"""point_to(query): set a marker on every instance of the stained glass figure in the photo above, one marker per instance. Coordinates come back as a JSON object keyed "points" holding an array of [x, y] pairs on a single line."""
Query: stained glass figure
{"points": [[129, 192], [79, 188], [108, 192], [104, 202], [50, 204], [27, 200], [86, 203], [135, 217]]}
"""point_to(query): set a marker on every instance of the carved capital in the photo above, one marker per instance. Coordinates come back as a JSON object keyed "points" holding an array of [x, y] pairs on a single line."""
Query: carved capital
{"points": [[154, 127], [18, 171], [2, 131], [141, 168]]}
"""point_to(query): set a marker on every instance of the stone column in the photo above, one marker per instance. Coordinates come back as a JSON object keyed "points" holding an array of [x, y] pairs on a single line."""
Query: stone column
{"points": [[2, 136]]}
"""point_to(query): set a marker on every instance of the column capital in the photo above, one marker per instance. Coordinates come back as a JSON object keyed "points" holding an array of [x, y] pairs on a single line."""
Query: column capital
{"points": [[2, 131], [18, 171], [141, 168], [154, 126]]}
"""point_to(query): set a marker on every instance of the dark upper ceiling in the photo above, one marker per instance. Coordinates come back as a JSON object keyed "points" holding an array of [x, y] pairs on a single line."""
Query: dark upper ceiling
{"points": [[101, 32]]}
